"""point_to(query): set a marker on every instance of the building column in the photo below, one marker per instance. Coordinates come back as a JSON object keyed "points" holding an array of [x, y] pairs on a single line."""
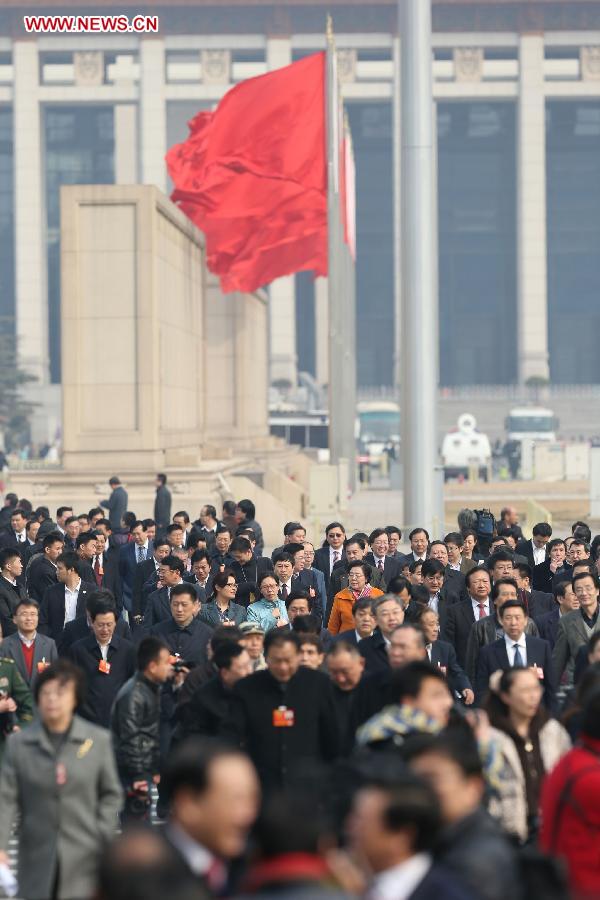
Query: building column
{"points": [[31, 259], [532, 295], [397, 168], [126, 144], [153, 113], [282, 292], [282, 317], [321, 331]]}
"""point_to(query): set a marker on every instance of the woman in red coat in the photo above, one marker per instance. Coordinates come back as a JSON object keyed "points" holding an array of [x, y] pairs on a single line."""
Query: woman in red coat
{"points": [[570, 808]]}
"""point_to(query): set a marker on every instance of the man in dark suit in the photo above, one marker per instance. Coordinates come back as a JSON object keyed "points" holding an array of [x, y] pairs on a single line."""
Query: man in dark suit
{"points": [[515, 648], [41, 572], [326, 557], [419, 544], [105, 566], [536, 602], [461, 616], [107, 662], [16, 535], [11, 591], [389, 614], [378, 556], [565, 602], [132, 553], [64, 601], [80, 627], [86, 551], [440, 598], [158, 605], [456, 561], [535, 550], [143, 572], [443, 656], [364, 623], [162, 502], [247, 569], [31, 651], [116, 503]]}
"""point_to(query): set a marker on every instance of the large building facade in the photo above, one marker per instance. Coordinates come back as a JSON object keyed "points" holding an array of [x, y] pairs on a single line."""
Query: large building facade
{"points": [[517, 111]]}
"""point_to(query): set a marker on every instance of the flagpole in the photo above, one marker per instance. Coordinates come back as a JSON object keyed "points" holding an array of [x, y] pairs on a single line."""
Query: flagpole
{"points": [[340, 289]]}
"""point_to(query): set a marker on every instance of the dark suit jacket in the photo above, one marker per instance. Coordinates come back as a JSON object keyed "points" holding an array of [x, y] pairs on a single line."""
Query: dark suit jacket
{"points": [[52, 611], [391, 567], [441, 882], [162, 506], [494, 657], [538, 603], [543, 577], [143, 572], [127, 569], [41, 574], [374, 651], [8, 538], [347, 637], [9, 597], [547, 625], [116, 506], [110, 579], [78, 629], [158, 607], [457, 628], [102, 688], [524, 548], [321, 562], [443, 656], [43, 649]]}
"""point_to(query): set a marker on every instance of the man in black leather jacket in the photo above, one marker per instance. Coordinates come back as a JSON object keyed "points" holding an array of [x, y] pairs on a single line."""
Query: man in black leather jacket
{"points": [[134, 724]]}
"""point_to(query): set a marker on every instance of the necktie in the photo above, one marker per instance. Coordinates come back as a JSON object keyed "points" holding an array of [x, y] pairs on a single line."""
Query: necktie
{"points": [[98, 572], [482, 612], [141, 554], [518, 660], [284, 592], [336, 557], [380, 564]]}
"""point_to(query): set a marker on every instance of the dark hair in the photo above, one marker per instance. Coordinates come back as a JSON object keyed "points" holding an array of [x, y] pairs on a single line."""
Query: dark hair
{"points": [[225, 653], [86, 537], [542, 529], [6, 554], [114, 480], [512, 604], [298, 595], [268, 574], [277, 638], [393, 529], [18, 511], [188, 766], [420, 594], [500, 556], [437, 544], [105, 523], [70, 520], [240, 545], [160, 542], [454, 537], [589, 574], [362, 603], [307, 637], [221, 529], [307, 624], [27, 601], [560, 587], [42, 512], [578, 542], [457, 744], [64, 672], [184, 588], [60, 511], [229, 507], [499, 583], [399, 583], [283, 556], [411, 805], [524, 570], [416, 531], [148, 523], [182, 514], [333, 525], [554, 543], [174, 526], [70, 560], [83, 516], [94, 512], [148, 651], [221, 578], [161, 477], [377, 532], [355, 539], [590, 724], [225, 634], [414, 565], [292, 548], [248, 508], [408, 680], [366, 569], [198, 556], [129, 518], [432, 567], [582, 531], [174, 563], [291, 527], [100, 608], [210, 510]]}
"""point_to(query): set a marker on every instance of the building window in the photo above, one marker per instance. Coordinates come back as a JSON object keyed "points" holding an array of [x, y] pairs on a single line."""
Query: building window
{"points": [[477, 242], [79, 145], [573, 215]]}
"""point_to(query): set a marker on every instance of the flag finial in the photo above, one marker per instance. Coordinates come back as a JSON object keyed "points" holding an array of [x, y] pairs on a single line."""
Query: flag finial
{"points": [[329, 30]]}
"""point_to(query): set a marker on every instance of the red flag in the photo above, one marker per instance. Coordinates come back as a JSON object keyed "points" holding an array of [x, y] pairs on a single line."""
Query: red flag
{"points": [[252, 175]]}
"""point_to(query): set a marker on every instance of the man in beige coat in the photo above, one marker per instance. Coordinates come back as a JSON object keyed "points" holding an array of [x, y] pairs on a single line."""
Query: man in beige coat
{"points": [[59, 776]]}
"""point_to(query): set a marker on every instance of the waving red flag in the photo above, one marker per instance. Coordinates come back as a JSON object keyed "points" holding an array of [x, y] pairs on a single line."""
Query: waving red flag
{"points": [[252, 175]]}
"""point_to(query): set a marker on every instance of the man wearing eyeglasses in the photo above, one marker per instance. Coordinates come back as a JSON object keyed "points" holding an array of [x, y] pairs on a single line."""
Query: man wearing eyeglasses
{"points": [[576, 628]]}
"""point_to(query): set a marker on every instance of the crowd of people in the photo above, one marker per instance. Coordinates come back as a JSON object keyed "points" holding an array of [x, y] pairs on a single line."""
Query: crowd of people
{"points": [[335, 719]]}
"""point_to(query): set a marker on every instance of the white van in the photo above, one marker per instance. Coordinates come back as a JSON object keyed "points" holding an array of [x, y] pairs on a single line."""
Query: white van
{"points": [[464, 448], [531, 422]]}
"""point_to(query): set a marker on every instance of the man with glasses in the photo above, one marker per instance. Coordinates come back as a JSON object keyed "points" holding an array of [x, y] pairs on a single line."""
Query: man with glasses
{"points": [[326, 557], [576, 628]]}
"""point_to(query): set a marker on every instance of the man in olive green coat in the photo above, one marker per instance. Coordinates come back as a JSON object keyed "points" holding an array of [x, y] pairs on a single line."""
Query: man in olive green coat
{"points": [[16, 702]]}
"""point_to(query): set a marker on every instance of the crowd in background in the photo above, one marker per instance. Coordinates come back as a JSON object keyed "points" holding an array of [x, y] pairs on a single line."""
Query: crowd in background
{"points": [[338, 718]]}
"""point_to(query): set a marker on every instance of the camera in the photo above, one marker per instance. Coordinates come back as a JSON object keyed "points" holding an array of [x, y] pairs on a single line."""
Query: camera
{"points": [[138, 803]]}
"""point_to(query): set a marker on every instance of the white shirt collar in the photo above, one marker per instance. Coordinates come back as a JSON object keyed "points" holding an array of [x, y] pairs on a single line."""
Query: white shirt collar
{"points": [[27, 641], [198, 858], [74, 590], [520, 643], [399, 882]]}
